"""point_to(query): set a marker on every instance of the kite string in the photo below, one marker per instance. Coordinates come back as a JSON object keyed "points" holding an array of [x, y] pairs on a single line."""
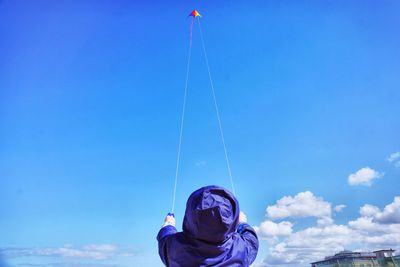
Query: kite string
{"points": [[182, 118], [191, 31], [216, 108]]}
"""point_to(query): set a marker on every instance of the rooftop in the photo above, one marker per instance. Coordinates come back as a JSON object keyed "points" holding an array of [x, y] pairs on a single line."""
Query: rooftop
{"points": [[360, 255]]}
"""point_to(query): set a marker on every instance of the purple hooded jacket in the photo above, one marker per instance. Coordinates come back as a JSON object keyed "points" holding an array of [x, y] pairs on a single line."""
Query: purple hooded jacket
{"points": [[211, 234]]}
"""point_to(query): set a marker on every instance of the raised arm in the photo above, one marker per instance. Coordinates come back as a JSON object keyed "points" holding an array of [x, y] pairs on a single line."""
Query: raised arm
{"points": [[249, 236], [167, 229]]}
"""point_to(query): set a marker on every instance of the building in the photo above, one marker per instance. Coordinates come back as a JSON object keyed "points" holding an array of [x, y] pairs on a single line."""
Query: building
{"points": [[346, 258]]}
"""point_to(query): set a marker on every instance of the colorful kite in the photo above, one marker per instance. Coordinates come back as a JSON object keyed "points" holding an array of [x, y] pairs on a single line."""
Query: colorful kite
{"points": [[195, 14]]}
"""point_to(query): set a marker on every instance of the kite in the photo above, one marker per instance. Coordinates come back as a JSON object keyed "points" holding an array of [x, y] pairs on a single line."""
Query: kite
{"points": [[194, 14]]}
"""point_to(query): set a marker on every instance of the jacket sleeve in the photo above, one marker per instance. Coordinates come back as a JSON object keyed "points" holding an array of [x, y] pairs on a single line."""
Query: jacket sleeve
{"points": [[162, 238], [250, 237]]}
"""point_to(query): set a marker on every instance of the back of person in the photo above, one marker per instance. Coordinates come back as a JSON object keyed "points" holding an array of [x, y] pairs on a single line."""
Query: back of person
{"points": [[214, 234]]}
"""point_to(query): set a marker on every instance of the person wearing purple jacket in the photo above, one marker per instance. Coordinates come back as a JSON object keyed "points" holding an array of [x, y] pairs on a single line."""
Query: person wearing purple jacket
{"points": [[215, 233]]}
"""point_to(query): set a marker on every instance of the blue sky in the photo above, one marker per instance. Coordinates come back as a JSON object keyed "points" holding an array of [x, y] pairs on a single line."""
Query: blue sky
{"points": [[90, 101]]}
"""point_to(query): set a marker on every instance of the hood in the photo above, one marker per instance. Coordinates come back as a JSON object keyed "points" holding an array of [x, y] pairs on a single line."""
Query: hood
{"points": [[212, 214]]}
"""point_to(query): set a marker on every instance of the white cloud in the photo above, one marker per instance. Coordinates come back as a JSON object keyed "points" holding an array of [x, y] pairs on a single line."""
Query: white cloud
{"points": [[269, 228], [308, 245], [339, 208], [374, 229], [90, 252], [389, 215], [69, 264], [364, 176], [394, 157], [325, 221], [373, 234], [304, 204], [368, 210]]}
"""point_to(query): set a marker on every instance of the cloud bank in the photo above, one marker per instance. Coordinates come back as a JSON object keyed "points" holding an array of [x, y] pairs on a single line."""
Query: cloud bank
{"points": [[304, 204], [89, 252], [373, 229]]}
